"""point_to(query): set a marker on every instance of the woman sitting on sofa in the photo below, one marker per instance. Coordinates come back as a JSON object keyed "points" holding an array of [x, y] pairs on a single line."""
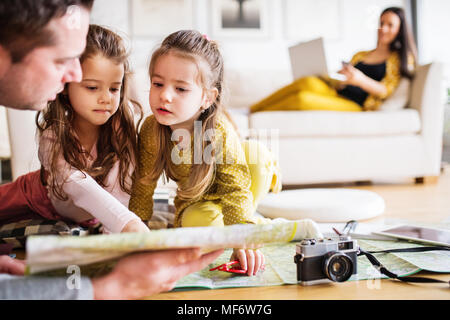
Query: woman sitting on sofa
{"points": [[371, 76]]}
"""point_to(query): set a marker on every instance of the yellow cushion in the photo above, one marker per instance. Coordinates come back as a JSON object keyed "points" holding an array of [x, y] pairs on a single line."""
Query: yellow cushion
{"points": [[264, 170]]}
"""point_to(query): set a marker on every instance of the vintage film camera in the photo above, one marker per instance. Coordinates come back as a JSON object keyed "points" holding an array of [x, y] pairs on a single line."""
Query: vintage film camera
{"points": [[326, 260]]}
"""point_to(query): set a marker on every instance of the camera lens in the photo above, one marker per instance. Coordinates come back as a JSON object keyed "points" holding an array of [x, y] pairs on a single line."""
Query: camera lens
{"points": [[337, 266]]}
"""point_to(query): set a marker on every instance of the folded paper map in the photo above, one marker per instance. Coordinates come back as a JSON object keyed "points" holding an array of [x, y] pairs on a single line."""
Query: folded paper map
{"points": [[46, 253]]}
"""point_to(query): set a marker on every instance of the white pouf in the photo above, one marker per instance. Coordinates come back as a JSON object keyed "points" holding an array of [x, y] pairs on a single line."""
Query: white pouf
{"points": [[322, 205]]}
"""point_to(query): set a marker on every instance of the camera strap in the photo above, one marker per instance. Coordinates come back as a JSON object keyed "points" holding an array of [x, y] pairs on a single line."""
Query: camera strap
{"points": [[382, 269]]}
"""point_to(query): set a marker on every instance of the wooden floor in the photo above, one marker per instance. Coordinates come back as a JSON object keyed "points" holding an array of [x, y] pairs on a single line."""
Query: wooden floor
{"points": [[429, 203]]}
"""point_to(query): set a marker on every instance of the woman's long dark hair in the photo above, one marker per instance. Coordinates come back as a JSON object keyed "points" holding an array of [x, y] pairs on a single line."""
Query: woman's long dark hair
{"points": [[404, 43]]}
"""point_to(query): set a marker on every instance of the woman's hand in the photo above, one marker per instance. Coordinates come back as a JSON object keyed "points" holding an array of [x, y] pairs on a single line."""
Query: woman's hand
{"points": [[251, 260], [135, 225], [354, 76]]}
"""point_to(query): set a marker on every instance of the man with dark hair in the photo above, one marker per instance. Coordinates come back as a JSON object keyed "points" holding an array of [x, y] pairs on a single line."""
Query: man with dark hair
{"points": [[24, 25], [40, 45]]}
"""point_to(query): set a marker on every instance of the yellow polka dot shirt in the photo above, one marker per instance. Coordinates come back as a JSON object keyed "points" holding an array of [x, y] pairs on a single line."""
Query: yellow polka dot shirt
{"points": [[230, 188]]}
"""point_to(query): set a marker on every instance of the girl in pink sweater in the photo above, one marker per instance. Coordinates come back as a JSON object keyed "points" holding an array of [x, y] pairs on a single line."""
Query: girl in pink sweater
{"points": [[87, 147]]}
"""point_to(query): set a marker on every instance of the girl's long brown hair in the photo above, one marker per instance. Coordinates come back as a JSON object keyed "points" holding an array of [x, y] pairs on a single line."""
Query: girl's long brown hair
{"points": [[118, 136], [192, 45]]}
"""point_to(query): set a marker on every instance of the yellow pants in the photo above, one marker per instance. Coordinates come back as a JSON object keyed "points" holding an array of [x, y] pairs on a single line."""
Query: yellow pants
{"points": [[308, 93], [265, 176]]}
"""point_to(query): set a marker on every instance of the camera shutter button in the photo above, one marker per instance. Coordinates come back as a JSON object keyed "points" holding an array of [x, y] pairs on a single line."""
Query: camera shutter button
{"points": [[305, 242]]}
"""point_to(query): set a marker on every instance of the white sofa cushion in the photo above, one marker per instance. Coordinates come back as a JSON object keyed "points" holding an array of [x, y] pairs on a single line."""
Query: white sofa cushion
{"points": [[245, 87], [240, 119], [331, 123], [399, 98]]}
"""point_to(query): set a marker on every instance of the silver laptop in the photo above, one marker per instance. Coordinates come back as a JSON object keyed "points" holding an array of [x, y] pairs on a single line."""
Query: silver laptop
{"points": [[308, 59]]}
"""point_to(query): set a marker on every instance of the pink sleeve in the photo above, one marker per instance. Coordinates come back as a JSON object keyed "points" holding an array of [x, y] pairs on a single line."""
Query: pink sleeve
{"points": [[85, 192]]}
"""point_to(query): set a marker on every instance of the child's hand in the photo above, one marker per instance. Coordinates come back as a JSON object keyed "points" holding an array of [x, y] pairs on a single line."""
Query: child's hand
{"points": [[135, 225], [251, 260]]}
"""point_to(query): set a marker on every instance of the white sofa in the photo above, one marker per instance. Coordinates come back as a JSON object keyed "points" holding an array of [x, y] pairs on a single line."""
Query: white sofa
{"points": [[313, 146], [23, 142], [327, 147], [5, 150]]}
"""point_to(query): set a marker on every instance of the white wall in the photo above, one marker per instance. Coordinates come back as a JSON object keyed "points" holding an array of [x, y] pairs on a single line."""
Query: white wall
{"points": [[357, 31], [434, 35]]}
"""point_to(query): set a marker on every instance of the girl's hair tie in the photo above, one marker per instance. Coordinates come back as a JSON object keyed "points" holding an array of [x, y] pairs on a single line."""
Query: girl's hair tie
{"points": [[206, 37]]}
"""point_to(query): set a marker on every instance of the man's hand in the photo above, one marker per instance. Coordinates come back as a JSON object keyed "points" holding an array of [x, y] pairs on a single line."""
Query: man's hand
{"points": [[12, 266], [144, 274]]}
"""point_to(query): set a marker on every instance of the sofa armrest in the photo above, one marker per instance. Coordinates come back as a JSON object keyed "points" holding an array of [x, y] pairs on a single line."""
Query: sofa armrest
{"points": [[427, 97], [5, 151]]}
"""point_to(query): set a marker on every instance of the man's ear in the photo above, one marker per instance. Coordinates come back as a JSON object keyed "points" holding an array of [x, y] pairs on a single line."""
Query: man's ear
{"points": [[5, 61]]}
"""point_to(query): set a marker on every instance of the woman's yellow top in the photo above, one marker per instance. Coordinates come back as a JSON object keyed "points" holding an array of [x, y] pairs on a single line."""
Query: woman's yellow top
{"points": [[391, 80], [230, 187]]}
